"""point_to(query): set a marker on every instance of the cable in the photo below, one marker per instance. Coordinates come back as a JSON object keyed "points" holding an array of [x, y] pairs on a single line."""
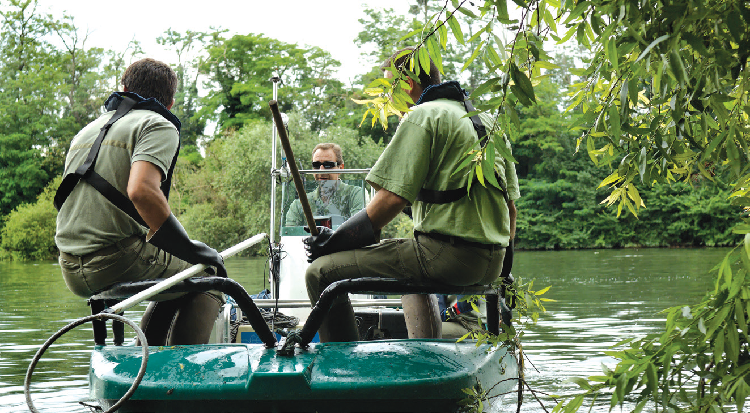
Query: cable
{"points": [[48, 343]]}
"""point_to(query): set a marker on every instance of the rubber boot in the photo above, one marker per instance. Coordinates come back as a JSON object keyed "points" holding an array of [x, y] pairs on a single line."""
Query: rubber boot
{"points": [[195, 319], [422, 316], [157, 320], [339, 324]]}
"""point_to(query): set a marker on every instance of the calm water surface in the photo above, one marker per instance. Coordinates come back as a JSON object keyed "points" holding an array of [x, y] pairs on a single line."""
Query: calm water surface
{"points": [[603, 296]]}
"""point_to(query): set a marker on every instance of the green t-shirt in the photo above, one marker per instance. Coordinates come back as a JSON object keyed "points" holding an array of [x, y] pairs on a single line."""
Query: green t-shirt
{"points": [[345, 200], [428, 146], [87, 221]]}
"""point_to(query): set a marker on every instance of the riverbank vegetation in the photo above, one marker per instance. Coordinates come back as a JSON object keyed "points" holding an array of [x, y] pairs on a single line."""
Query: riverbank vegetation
{"points": [[53, 85]]}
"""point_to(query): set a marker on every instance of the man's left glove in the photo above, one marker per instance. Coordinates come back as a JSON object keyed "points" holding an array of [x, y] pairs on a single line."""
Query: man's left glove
{"points": [[356, 232], [172, 238]]}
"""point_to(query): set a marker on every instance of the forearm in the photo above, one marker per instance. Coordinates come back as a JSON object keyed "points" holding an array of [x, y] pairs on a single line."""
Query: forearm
{"points": [[385, 205], [145, 193], [513, 212]]}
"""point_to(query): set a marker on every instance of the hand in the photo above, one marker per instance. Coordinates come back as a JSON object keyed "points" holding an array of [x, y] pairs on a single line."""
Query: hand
{"points": [[210, 257], [315, 245]]}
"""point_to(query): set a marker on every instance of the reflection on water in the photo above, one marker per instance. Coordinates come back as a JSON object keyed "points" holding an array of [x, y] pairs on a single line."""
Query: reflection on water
{"points": [[604, 296]]}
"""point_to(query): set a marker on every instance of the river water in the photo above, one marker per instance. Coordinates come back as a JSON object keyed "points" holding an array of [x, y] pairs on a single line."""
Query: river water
{"points": [[603, 297]]}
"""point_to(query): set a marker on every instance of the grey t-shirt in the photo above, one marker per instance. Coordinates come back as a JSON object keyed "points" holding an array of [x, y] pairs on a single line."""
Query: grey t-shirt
{"points": [[87, 221]]}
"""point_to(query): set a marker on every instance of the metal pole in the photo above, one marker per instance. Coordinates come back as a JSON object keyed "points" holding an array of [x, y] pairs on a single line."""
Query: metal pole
{"points": [[276, 80]]}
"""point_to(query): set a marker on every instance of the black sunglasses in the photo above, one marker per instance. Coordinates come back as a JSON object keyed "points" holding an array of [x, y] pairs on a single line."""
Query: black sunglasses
{"points": [[326, 164]]}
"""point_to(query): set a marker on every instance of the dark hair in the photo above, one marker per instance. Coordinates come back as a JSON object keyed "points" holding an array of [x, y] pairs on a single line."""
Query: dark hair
{"points": [[402, 64], [151, 79], [336, 150]]}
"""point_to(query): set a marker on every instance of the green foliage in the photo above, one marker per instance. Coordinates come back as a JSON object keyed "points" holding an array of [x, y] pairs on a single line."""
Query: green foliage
{"points": [[28, 232], [239, 70]]}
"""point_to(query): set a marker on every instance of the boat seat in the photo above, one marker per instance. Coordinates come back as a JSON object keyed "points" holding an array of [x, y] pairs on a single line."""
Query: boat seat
{"points": [[118, 292], [396, 286]]}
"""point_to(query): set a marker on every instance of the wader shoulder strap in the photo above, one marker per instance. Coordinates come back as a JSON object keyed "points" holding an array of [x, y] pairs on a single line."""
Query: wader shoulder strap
{"points": [[87, 173], [432, 196]]}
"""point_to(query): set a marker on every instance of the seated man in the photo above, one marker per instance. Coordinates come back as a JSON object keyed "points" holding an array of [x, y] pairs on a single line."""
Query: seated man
{"points": [[114, 222], [332, 197], [458, 240]]}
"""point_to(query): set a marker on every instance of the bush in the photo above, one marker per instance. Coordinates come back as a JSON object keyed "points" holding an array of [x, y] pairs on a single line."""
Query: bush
{"points": [[29, 230]]}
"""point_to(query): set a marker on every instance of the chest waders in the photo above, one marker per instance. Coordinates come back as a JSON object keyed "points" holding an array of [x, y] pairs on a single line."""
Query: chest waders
{"points": [[122, 103]]}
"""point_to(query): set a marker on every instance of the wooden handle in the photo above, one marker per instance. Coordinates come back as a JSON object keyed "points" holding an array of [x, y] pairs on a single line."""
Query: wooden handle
{"points": [[293, 167]]}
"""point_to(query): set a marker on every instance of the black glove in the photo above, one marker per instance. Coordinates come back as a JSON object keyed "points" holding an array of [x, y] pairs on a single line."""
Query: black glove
{"points": [[356, 232], [172, 238]]}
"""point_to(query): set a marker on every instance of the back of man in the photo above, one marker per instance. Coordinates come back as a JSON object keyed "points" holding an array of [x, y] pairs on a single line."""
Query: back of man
{"points": [[100, 244], [430, 143], [87, 221]]}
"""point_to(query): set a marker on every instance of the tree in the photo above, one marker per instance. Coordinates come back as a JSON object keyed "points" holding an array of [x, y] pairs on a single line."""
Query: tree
{"points": [[239, 70], [186, 98], [663, 98], [28, 103]]}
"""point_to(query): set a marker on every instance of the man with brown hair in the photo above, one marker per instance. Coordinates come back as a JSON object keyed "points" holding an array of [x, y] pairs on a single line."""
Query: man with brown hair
{"points": [[114, 222], [332, 197], [459, 240]]}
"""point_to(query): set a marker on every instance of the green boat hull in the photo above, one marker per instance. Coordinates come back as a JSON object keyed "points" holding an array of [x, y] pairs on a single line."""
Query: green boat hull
{"points": [[389, 375]]}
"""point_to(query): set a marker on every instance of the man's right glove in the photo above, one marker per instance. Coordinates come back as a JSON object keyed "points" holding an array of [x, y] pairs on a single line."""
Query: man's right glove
{"points": [[356, 232], [172, 238]]}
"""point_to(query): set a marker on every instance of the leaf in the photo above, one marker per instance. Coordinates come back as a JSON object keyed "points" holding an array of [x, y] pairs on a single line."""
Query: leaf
{"points": [[520, 95], [612, 53], [432, 47], [577, 11], [741, 393], [732, 342], [652, 380], [520, 79], [490, 164], [678, 69], [456, 29], [719, 347], [484, 87], [480, 174], [614, 122], [463, 164], [715, 142], [443, 32], [410, 34], [473, 56], [424, 59], [543, 290], [642, 160], [581, 382], [502, 10], [651, 46]]}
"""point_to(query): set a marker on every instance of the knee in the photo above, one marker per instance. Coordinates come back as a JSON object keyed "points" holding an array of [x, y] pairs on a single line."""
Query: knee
{"points": [[313, 281]]}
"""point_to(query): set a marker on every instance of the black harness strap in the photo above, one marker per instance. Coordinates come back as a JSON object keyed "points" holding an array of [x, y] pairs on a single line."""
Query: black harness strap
{"points": [[433, 196], [86, 170]]}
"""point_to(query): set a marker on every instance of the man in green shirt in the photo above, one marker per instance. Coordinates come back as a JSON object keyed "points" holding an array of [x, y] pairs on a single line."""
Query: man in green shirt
{"points": [[460, 242], [114, 222], [332, 197]]}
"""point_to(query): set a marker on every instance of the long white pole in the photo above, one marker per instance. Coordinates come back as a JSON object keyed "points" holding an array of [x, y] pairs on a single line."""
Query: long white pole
{"points": [[272, 231], [181, 276]]}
